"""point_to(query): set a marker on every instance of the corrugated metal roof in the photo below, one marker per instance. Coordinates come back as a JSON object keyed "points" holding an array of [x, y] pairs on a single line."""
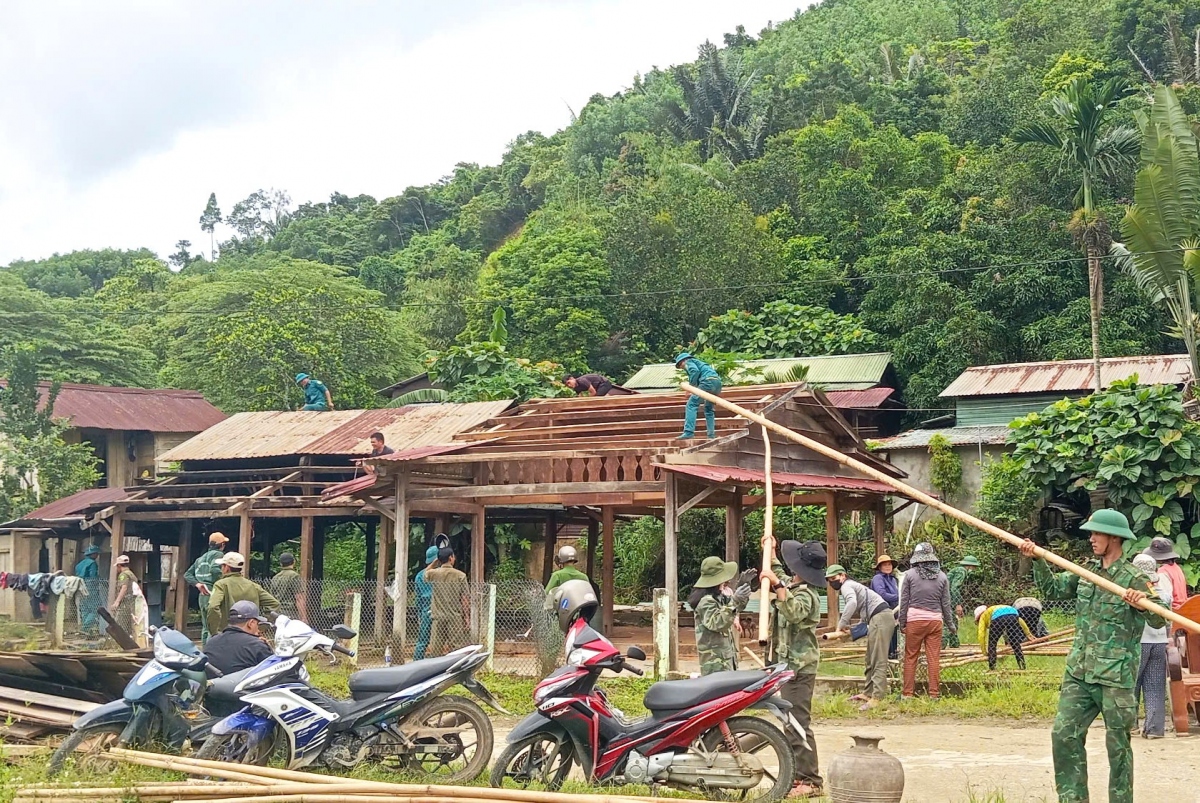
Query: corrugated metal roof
{"points": [[994, 435], [337, 432], [781, 480], [351, 487], [831, 372], [71, 506], [1067, 375], [99, 407], [859, 399]]}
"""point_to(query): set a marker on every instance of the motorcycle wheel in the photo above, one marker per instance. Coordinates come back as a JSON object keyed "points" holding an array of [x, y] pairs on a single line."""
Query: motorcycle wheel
{"points": [[86, 749], [538, 759], [231, 749], [769, 744], [469, 755]]}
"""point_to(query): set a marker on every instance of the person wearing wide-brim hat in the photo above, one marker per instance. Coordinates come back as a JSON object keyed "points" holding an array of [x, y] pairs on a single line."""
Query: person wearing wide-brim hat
{"points": [[1163, 551], [795, 614], [716, 606], [924, 614], [1102, 667], [886, 583]]}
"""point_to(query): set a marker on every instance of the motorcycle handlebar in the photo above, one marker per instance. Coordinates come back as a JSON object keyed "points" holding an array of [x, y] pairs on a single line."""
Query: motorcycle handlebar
{"points": [[634, 670], [343, 650]]}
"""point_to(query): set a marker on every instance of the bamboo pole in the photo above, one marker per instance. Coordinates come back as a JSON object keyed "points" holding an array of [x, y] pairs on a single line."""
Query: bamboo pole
{"points": [[764, 591], [937, 504]]}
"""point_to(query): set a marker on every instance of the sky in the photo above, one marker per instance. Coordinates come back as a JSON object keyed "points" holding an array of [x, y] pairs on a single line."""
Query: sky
{"points": [[121, 117]]}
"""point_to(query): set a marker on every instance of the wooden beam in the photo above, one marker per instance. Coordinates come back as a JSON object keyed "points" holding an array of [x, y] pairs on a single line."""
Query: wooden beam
{"points": [[550, 541], [700, 497], [245, 534], [259, 513], [607, 586], [306, 560], [729, 424], [236, 508], [379, 508], [400, 610], [183, 562], [671, 540], [831, 551], [733, 530], [879, 526], [751, 501], [386, 526], [478, 547], [118, 544], [540, 488], [593, 536]]}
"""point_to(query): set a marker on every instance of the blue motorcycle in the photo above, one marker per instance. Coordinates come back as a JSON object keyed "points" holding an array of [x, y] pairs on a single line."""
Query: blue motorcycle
{"points": [[167, 702]]}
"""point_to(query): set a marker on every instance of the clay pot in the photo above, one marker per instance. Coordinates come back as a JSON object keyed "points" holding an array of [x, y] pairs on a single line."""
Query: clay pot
{"points": [[866, 774]]}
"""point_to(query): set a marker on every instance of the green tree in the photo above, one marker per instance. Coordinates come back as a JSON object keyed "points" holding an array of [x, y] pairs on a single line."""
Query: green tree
{"points": [[209, 219], [783, 329], [1094, 149], [38, 465]]}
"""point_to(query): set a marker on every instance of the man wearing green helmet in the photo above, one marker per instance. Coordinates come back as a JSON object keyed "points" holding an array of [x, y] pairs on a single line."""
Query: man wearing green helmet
{"points": [[957, 576], [1103, 665], [701, 375], [316, 395]]}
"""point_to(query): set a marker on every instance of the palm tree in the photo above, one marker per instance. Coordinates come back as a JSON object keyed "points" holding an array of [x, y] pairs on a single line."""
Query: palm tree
{"points": [[718, 109], [1094, 151], [1162, 228]]}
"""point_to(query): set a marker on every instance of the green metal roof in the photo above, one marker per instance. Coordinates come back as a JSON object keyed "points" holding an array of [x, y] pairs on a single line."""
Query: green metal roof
{"points": [[832, 372]]}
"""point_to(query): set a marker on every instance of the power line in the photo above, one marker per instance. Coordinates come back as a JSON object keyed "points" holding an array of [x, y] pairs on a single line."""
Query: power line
{"points": [[618, 296]]}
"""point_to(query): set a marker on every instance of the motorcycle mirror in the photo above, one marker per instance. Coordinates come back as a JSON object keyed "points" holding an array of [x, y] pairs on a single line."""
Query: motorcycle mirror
{"points": [[343, 632], [636, 653]]}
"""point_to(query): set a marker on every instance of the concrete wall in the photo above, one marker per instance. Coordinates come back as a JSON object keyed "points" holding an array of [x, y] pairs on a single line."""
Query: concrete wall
{"points": [[915, 462]]}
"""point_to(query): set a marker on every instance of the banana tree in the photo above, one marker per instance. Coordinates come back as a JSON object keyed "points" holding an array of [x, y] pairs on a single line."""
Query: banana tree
{"points": [[1162, 228]]}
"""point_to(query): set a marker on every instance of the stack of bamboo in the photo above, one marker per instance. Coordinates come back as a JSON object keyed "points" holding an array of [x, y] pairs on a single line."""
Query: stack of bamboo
{"points": [[248, 784]]}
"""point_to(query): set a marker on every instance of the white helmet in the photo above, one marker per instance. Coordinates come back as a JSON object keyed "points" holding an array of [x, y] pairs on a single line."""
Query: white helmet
{"points": [[573, 599], [566, 554]]}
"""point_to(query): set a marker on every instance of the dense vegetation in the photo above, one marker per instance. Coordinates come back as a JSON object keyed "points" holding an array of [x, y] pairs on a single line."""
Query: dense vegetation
{"points": [[855, 165]]}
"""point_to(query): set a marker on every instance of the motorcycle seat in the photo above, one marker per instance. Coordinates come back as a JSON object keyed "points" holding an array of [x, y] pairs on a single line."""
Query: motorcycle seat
{"points": [[223, 687], [393, 678], [673, 695]]}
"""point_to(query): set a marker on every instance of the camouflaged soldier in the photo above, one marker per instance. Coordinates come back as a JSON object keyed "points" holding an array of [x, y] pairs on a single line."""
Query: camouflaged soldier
{"points": [[1102, 666], [795, 614], [716, 608]]}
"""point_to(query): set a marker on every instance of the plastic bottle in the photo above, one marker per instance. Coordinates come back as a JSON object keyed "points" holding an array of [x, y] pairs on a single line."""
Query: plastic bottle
{"points": [[387, 655]]}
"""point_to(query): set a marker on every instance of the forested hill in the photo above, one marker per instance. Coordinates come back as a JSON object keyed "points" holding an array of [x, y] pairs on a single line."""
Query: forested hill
{"points": [[854, 164]]}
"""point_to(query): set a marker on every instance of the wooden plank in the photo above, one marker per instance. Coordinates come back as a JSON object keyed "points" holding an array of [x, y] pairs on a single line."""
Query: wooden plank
{"points": [[729, 423], [53, 701], [607, 589], [552, 488], [700, 497], [237, 507]]}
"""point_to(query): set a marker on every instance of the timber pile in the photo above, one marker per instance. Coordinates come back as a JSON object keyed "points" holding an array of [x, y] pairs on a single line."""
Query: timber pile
{"points": [[44, 692], [243, 784]]}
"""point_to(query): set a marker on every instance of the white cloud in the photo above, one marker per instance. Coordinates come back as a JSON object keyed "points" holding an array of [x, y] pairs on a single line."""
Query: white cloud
{"points": [[362, 99]]}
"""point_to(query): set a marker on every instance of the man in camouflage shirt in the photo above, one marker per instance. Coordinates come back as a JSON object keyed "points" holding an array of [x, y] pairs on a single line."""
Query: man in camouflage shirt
{"points": [[203, 575], [716, 608], [957, 577], [1103, 663], [795, 613]]}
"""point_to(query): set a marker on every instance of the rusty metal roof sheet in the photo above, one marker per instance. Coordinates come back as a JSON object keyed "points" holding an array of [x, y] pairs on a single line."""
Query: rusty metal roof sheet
{"points": [[859, 399], [1067, 375], [337, 432], [99, 407], [69, 507], [782, 480]]}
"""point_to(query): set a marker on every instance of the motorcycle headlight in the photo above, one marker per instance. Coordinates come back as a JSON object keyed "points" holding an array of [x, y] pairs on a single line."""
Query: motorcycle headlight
{"points": [[171, 657], [579, 656], [548, 690], [286, 646]]}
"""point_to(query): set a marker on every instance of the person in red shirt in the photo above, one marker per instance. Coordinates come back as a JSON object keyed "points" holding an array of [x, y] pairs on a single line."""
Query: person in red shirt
{"points": [[1163, 551]]}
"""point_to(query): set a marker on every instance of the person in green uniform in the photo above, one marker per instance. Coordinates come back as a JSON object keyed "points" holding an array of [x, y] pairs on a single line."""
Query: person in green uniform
{"points": [[957, 576], [424, 602], [316, 395], [701, 375], [231, 588], [203, 572], [1103, 665], [716, 607], [89, 571], [449, 604], [795, 614], [567, 559], [123, 603], [288, 588]]}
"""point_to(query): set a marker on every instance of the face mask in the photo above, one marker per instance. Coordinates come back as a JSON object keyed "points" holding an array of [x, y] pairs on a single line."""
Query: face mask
{"points": [[835, 584]]}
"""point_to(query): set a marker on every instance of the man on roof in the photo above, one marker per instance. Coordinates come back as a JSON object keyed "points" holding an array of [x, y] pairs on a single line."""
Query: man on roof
{"points": [[591, 384], [701, 375], [378, 449], [316, 395]]}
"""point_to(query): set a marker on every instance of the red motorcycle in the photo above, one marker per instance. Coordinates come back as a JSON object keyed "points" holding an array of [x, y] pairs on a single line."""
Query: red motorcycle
{"points": [[692, 739]]}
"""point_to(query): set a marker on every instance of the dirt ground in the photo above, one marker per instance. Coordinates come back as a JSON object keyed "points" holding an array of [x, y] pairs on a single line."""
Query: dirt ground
{"points": [[948, 760]]}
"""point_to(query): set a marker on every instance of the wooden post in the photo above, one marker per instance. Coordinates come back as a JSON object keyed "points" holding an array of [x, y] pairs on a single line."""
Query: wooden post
{"points": [[353, 619], [58, 555], [118, 544], [733, 528], [593, 537], [372, 536], [245, 535], [478, 547], [764, 601], [183, 562], [441, 524], [831, 550], [550, 540], [306, 564], [400, 610], [660, 619], [671, 539], [878, 526], [381, 571], [607, 586]]}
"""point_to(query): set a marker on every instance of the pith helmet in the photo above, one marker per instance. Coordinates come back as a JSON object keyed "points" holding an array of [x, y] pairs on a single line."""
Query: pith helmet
{"points": [[1109, 522]]}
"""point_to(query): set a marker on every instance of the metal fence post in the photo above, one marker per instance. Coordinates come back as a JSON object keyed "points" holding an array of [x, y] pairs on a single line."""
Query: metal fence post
{"points": [[353, 619], [489, 628], [661, 619]]}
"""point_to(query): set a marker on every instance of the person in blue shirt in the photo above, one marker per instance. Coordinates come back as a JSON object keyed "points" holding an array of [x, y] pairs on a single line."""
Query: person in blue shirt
{"points": [[316, 395], [89, 570], [701, 375], [424, 605]]}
